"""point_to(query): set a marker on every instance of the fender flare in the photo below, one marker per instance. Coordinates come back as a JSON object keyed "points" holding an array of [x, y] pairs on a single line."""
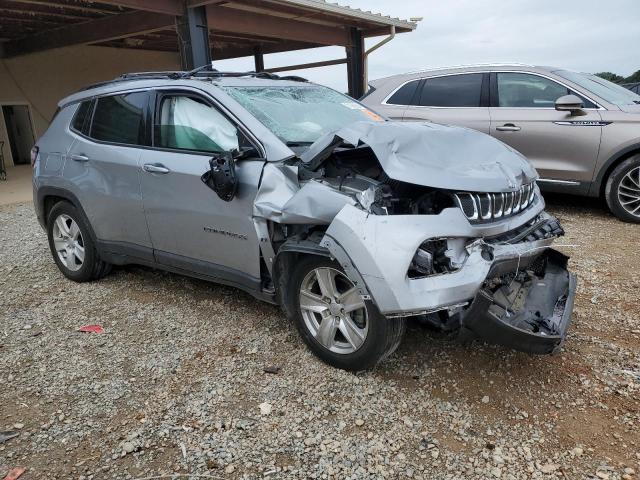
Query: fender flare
{"points": [[44, 192], [292, 247], [316, 244]]}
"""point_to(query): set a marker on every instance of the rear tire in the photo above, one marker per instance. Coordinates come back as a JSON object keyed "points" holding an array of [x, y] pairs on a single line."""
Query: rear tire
{"points": [[368, 336], [71, 244], [622, 191]]}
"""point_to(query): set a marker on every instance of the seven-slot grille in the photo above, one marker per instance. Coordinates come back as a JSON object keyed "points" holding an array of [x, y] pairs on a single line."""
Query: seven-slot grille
{"points": [[486, 207]]}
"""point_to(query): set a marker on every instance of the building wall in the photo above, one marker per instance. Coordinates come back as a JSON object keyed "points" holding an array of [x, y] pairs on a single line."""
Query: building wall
{"points": [[42, 79]]}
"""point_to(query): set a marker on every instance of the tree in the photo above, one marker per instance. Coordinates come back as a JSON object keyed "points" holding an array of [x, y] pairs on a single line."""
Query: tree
{"points": [[612, 77], [634, 77]]}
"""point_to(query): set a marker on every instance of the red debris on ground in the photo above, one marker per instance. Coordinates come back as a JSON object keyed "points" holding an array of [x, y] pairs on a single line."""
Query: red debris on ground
{"points": [[91, 329], [15, 473]]}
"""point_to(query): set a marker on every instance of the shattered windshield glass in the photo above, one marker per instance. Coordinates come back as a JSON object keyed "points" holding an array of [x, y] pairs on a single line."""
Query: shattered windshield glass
{"points": [[300, 114]]}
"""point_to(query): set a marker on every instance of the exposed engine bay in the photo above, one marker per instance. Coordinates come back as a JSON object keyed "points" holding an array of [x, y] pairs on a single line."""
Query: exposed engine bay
{"points": [[357, 172]]}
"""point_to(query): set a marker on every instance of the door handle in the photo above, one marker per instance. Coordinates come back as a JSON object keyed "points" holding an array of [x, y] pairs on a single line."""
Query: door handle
{"points": [[155, 168], [508, 127], [79, 157]]}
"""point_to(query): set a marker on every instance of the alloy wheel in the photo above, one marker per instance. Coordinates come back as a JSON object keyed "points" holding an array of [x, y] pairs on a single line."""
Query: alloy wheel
{"points": [[333, 310], [68, 242], [629, 192]]}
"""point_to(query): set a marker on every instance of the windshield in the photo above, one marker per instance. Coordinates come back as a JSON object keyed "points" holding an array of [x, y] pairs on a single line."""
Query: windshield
{"points": [[605, 89], [300, 114]]}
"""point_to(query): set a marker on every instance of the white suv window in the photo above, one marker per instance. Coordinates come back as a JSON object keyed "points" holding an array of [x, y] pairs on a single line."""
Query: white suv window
{"points": [[187, 123], [452, 91], [523, 90]]}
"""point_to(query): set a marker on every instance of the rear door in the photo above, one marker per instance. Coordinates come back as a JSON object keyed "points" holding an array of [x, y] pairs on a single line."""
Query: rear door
{"points": [[102, 168], [458, 99], [563, 148], [191, 227]]}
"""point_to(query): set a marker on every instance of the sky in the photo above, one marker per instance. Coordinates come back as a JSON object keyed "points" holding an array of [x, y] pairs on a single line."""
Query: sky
{"points": [[584, 35]]}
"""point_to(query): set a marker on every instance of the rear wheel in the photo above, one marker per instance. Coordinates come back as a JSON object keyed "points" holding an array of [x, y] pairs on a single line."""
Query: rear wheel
{"points": [[623, 190], [71, 245], [339, 326]]}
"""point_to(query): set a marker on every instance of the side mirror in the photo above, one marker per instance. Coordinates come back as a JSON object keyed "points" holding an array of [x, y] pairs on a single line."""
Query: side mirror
{"points": [[221, 177], [569, 103]]}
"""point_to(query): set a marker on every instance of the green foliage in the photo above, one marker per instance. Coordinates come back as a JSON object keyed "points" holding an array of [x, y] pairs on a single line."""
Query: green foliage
{"points": [[615, 78], [612, 77], [634, 77]]}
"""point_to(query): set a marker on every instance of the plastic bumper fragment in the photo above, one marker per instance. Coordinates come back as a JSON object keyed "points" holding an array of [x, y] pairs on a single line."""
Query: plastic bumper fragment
{"points": [[527, 310]]}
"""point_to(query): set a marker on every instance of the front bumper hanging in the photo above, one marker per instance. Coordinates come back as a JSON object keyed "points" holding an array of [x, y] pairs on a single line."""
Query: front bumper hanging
{"points": [[525, 307]]}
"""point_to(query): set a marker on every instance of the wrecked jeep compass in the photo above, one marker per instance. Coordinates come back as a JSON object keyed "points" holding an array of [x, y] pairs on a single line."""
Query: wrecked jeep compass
{"points": [[305, 198]]}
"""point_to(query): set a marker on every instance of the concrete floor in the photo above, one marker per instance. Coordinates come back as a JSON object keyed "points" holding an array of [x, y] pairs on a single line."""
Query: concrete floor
{"points": [[17, 187]]}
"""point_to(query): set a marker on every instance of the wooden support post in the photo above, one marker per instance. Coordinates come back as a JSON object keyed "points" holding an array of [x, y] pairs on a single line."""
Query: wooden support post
{"points": [[355, 63], [193, 35], [258, 58]]}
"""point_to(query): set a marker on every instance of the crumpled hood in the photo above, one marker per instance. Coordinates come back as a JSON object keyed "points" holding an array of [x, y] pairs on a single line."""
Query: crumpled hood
{"points": [[433, 155]]}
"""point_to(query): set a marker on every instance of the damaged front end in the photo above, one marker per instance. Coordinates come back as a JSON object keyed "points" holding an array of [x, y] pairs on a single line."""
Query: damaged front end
{"points": [[528, 308], [436, 222]]}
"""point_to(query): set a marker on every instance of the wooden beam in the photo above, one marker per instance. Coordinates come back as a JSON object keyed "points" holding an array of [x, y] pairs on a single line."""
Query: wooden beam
{"points": [[170, 7], [230, 20], [304, 66], [100, 30], [223, 53], [69, 5]]}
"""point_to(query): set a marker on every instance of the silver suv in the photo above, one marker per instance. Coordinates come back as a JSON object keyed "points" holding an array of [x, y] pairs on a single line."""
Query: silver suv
{"points": [[305, 198], [581, 133]]}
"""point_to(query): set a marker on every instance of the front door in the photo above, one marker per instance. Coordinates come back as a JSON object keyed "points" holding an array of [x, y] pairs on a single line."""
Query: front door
{"points": [[563, 148], [191, 227]]}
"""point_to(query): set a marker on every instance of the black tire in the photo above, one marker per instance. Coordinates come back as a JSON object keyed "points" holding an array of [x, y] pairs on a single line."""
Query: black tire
{"points": [[92, 267], [612, 189], [383, 335]]}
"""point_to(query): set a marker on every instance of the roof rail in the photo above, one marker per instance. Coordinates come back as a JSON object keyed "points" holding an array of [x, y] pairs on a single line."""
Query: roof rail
{"points": [[471, 65], [200, 72]]}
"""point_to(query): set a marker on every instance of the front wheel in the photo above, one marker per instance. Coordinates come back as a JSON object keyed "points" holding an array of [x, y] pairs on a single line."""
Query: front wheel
{"points": [[335, 322], [623, 190]]}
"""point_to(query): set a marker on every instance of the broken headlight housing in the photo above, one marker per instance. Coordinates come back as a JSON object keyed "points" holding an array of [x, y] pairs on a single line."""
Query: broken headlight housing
{"points": [[431, 259]]}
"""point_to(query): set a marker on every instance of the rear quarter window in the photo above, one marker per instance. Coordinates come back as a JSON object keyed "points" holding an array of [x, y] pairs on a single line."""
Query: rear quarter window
{"points": [[404, 95], [79, 121]]}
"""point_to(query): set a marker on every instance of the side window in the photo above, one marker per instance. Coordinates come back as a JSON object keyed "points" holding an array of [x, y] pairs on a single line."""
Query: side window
{"points": [[119, 119], [188, 123], [523, 90], [452, 91], [80, 117], [404, 94]]}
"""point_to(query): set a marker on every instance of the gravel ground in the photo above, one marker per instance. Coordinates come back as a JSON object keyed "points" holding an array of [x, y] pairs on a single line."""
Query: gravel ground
{"points": [[177, 383]]}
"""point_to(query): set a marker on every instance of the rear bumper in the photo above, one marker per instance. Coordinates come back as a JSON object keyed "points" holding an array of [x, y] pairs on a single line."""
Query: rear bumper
{"points": [[530, 312]]}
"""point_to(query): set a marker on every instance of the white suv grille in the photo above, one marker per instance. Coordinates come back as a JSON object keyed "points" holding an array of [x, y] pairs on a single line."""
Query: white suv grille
{"points": [[487, 207]]}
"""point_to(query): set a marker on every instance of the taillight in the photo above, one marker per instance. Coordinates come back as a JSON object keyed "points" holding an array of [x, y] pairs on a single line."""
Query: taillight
{"points": [[34, 155]]}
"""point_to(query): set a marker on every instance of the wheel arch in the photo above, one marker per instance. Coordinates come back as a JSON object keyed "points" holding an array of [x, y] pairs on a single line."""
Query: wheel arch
{"points": [[288, 253], [600, 184], [48, 197]]}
